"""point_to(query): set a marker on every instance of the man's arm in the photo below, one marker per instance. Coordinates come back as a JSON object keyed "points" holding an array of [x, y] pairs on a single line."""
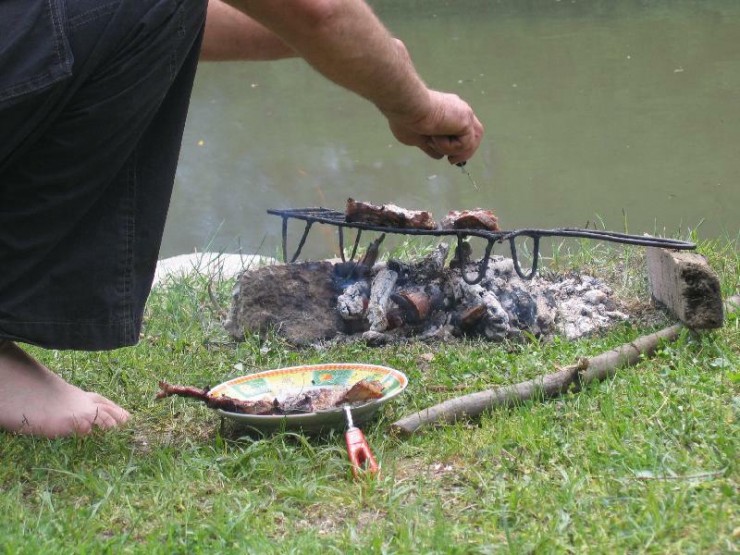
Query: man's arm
{"points": [[233, 35], [345, 41]]}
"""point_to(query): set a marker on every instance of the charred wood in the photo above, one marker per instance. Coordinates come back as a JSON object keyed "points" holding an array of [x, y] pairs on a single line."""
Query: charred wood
{"points": [[431, 267], [380, 293], [494, 322], [396, 318], [469, 317], [354, 300], [415, 305], [371, 254], [463, 252], [418, 303]]}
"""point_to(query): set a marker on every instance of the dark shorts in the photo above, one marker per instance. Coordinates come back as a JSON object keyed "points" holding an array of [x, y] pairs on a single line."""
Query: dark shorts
{"points": [[93, 100]]}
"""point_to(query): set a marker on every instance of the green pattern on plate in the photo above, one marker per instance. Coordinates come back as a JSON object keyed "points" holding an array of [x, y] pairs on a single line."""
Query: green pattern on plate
{"points": [[253, 387], [390, 384]]}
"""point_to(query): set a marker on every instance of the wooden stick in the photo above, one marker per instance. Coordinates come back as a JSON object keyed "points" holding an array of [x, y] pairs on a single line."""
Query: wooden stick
{"points": [[571, 378]]}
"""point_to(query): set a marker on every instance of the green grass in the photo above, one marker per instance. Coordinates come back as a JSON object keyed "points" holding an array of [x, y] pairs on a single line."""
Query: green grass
{"points": [[643, 463]]}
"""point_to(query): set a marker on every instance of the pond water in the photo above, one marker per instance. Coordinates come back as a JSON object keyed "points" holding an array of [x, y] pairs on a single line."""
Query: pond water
{"points": [[624, 114]]}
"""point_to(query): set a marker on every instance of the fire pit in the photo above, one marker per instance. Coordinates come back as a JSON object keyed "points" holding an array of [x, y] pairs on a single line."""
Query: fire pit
{"points": [[429, 299]]}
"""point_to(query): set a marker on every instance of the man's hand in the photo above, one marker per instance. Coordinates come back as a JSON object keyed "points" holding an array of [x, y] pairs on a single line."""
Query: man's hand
{"points": [[448, 128]]}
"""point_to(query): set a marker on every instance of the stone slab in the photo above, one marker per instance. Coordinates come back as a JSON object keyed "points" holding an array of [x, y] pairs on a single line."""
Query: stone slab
{"points": [[215, 265]]}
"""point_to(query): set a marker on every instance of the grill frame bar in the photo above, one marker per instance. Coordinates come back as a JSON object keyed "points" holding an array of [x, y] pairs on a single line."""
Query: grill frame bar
{"points": [[328, 216]]}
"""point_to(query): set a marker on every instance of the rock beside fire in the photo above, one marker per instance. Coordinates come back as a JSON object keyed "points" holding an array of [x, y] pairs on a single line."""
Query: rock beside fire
{"points": [[298, 301], [425, 299]]}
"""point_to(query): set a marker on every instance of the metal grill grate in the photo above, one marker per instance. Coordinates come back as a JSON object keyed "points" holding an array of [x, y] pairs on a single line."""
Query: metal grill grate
{"points": [[338, 219]]}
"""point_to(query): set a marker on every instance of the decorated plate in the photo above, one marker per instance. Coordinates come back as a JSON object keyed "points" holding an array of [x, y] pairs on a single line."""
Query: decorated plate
{"points": [[285, 382]]}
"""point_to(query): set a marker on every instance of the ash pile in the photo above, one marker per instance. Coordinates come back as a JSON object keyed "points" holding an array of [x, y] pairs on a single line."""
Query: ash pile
{"points": [[428, 299]]}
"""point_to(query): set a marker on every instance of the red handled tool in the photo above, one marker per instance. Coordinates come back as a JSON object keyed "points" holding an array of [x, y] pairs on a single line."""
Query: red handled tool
{"points": [[359, 451]]}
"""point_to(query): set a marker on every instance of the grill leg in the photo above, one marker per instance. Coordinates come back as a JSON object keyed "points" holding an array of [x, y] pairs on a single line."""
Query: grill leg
{"points": [[535, 257]]}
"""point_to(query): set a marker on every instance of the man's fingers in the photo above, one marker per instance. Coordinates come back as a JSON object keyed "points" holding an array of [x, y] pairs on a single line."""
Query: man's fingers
{"points": [[447, 144], [456, 149], [462, 146], [431, 149], [451, 147]]}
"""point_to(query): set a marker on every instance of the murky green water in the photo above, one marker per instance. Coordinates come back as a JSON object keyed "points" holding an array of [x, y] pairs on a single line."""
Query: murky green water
{"points": [[593, 113]]}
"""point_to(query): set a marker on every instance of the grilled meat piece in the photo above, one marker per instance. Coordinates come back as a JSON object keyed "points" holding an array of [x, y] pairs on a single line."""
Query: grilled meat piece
{"points": [[388, 215], [477, 218], [362, 391], [223, 402]]}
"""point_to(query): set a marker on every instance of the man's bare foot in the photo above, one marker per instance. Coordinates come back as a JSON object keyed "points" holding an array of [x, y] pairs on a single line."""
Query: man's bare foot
{"points": [[35, 401]]}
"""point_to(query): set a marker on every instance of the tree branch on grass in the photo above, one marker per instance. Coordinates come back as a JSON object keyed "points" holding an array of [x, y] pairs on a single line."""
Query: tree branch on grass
{"points": [[570, 378]]}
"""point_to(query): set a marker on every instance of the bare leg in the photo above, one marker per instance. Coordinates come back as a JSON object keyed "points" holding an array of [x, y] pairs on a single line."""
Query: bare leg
{"points": [[35, 401]]}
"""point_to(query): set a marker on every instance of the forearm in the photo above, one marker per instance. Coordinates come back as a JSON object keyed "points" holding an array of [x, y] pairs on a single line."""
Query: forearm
{"points": [[346, 42], [233, 35]]}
